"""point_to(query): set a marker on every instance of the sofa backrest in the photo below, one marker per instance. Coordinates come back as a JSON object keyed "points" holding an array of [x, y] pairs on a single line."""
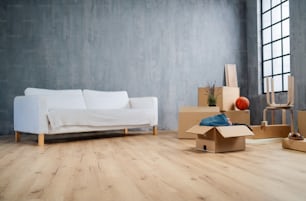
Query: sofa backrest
{"points": [[59, 99], [106, 99]]}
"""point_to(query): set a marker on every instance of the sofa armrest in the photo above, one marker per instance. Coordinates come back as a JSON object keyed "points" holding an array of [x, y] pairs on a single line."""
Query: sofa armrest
{"points": [[30, 114], [146, 103]]}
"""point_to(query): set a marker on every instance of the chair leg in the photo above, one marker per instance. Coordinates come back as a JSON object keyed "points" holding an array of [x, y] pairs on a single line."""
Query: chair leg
{"points": [[283, 116], [264, 118], [17, 136], [155, 130], [41, 139], [292, 121], [264, 121]]}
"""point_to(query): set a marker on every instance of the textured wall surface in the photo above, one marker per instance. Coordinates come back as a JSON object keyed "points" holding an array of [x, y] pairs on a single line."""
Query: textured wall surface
{"points": [[298, 50], [163, 48], [5, 101]]}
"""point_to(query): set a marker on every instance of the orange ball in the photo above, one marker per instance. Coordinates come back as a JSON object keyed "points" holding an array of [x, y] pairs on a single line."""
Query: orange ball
{"points": [[242, 103]]}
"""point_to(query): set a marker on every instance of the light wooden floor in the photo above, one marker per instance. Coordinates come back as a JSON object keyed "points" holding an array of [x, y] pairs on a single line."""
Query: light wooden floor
{"points": [[146, 167]]}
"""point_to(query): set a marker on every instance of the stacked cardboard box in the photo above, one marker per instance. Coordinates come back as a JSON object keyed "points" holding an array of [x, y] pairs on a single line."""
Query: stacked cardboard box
{"points": [[223, 138], [239, 116], [225, 97], [225, 100], [190, 116], [229, 138], [270, 131]]}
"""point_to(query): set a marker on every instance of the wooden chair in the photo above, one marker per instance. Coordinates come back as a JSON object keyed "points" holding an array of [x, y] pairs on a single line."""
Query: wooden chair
{"points": [[271, 105]]}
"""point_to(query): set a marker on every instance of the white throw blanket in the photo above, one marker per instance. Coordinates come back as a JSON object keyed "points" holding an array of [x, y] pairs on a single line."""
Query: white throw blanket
{"points": [[85, 117]]}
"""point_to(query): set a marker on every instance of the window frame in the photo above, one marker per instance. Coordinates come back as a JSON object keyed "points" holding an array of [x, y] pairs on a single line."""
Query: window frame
{"points": [[282, 73]]}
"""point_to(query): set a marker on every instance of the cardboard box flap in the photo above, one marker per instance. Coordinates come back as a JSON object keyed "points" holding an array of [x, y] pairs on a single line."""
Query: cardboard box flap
{"points": [[234, 131], [197, 129]]}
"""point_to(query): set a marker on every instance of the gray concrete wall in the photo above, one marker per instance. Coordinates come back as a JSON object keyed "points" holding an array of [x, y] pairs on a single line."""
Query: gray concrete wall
{"points": [[5, 104], [163, 48], [298, 50], [298, 58], [253, 56]]}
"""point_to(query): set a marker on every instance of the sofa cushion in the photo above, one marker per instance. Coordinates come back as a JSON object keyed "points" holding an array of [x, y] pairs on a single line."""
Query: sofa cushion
{"points": [[59, 99], [106, 99], [38, 91]]}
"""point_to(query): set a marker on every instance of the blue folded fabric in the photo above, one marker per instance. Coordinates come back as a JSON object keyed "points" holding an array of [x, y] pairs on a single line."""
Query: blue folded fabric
{"points": [[217, 120]]}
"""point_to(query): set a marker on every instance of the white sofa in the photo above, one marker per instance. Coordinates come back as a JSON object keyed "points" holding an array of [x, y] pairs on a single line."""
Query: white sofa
{"points": [[45, 111]]}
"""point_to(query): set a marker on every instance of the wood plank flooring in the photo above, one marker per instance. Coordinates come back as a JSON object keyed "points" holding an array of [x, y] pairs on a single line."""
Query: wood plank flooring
{"points": [[143, 167]]}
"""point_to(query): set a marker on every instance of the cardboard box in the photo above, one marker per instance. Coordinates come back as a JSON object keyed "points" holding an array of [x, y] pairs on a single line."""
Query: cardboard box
{"points": [[239, 116], [301, 122], [221, 138], [226, 97], [298, 145], [189, 116], [270, 131]]}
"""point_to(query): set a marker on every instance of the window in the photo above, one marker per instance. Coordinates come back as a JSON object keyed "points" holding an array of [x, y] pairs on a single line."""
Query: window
{"points": [[275, 28]]}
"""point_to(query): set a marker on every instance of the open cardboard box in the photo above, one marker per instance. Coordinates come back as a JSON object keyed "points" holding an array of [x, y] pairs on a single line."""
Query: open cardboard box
{"points": [[189, 116], [221, 138]]}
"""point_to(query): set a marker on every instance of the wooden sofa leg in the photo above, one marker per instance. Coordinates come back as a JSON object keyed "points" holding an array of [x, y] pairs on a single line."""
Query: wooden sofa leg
{"points": [[126, 131], [41, 139], [17, 136], [154, 130]]}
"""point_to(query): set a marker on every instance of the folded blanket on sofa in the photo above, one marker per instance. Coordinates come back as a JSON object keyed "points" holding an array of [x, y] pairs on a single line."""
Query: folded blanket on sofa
{"points": [[88, 117]]}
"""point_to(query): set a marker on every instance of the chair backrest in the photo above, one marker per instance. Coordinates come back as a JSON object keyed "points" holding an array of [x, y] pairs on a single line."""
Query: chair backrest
{"points": [[270, 96]]}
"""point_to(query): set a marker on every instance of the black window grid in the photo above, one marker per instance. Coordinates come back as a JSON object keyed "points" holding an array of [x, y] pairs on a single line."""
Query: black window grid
{"points": [[273, 41]]}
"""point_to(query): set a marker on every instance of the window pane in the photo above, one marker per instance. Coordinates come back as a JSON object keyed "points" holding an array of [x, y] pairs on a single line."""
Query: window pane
{"points": [[276, 31], [277, 66], [285, 10], [267, 35], [278, 83], [267, 52], [286, 27], [276, 14], [277, 48], [266, 5], [265, 84], [275, 2], [266, 19], [286, 63], [286, 81], [267, 68], [286, 46]]}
